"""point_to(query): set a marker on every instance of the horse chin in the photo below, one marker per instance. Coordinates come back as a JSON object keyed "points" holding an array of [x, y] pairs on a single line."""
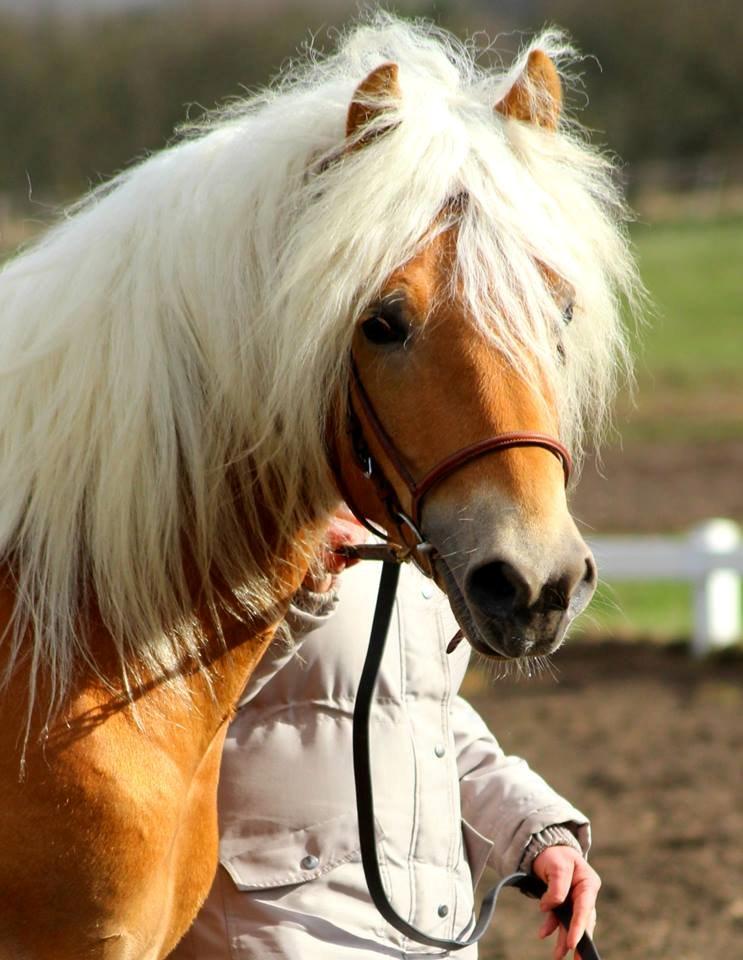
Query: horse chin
{"points": [[502, 638]]}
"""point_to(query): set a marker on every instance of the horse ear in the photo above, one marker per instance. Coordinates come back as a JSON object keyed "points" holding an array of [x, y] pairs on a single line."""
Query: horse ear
{"points": [[373, 95], [536, 96]]}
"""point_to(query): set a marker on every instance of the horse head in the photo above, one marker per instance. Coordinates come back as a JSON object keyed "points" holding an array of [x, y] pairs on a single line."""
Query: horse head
{"points": [[453, 437]]}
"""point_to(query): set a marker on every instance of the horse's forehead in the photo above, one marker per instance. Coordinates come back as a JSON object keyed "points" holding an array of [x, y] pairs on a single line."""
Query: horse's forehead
{"points": [[424, 275]]}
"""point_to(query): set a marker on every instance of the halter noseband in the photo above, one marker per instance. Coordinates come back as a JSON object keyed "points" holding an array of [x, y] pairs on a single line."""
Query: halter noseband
{"points": [[405, 519]]}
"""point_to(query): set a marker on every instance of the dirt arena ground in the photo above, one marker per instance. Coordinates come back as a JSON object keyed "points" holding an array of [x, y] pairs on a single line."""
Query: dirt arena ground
{"points": [[650, 486], [648, 743], [642, 738]]}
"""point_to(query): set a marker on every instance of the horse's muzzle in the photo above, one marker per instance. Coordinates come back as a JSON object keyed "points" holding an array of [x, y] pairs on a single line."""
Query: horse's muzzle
{"points": [[511, 608]]}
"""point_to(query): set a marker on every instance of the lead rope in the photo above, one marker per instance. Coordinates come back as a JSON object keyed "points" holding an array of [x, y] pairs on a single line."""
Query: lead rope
{"points": [[527, 883]]}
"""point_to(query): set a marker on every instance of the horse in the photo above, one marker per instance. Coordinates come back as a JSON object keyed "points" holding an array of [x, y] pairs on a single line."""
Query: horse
{"points": [[184, 357]]}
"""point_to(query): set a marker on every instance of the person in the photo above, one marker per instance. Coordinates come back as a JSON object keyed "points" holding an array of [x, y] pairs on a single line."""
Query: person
{"points": [[448, 800]]}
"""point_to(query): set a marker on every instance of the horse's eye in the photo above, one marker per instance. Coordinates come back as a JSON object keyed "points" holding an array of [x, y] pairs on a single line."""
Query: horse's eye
{"points": [[387, 325], [567, 313]]}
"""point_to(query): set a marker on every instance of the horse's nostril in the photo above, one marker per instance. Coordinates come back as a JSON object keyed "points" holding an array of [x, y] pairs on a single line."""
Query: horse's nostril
{"points": [[555, 596], [591, 575], [497, 588], [558, 594], [500, 588]]}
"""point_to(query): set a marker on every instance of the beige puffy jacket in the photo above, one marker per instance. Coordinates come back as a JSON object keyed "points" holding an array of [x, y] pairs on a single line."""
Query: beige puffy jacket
{"points": [[448, 800]]}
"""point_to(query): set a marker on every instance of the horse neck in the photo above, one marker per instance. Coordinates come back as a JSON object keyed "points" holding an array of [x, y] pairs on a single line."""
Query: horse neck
{"points": [[236, 643], [199, 693], [233, 642]]}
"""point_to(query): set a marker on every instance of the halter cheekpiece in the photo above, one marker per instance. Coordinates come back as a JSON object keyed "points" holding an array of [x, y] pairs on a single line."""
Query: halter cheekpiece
{"points": [[406, 540]]}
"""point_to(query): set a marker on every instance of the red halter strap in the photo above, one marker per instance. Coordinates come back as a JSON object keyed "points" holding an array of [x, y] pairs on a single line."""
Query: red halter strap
{"points": [[406, 522]]}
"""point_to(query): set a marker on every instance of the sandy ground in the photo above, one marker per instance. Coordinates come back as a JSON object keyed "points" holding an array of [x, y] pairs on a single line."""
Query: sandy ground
{"points": [[642, 738], [654, 486], [648, 743]]}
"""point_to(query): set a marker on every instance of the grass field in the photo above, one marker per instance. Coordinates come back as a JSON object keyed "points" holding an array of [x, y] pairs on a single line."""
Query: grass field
{"points": [[694, 272], [659, 610], [690, 353], [690, 385]]}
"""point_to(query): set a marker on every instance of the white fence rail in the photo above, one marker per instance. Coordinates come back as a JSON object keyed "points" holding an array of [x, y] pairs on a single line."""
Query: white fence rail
{"points": [[710, 558]]}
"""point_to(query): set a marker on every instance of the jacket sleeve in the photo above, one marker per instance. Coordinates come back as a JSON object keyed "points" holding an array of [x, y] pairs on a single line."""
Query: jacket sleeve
{"points": [[505, 804]]}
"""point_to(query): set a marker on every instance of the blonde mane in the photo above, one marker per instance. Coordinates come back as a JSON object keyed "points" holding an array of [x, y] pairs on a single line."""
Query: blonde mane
{"points": [[171, 349]]}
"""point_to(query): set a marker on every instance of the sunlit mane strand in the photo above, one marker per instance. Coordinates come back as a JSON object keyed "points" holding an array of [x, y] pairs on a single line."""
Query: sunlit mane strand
{"points": [[171, 349]]}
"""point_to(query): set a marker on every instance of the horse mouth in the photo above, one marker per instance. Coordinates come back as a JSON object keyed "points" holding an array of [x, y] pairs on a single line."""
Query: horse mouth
{"points": [[504, 638]]}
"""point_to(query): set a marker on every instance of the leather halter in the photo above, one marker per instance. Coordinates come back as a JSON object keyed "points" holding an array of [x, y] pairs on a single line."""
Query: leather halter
{"points": [[404, 520]]}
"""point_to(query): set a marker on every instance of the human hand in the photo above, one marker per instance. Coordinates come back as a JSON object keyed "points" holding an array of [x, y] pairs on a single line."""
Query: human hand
{"points": [[343, 530], [567, 875]]}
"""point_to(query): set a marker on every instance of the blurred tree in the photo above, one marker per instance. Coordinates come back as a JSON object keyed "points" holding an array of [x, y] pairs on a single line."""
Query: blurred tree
{"points": [[666, 78], [80, 98]]}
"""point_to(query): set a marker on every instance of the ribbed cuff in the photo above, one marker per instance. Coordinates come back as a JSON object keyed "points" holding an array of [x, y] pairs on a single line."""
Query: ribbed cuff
{"points": [[309, 610], [559, 835]]}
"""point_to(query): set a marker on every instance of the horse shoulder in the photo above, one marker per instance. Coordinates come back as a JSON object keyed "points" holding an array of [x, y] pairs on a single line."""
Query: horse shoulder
{"points": [[110, 826]]}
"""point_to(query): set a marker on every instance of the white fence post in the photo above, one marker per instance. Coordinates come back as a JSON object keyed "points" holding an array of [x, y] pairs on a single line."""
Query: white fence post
{"points": [[710, 559], [717, 595]]}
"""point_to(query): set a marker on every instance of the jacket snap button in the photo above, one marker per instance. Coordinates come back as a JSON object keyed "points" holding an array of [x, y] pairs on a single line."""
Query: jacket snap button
{"points": [[439, 750], [426, 592], [443, 910], [309, 862]]}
